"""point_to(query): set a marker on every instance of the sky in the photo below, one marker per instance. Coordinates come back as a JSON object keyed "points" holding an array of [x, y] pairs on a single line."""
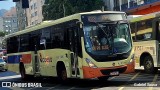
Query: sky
{"points": [[6, 4]]}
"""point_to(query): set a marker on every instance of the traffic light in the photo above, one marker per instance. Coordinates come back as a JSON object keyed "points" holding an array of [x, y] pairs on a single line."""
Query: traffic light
{"points": [[25, 3]]}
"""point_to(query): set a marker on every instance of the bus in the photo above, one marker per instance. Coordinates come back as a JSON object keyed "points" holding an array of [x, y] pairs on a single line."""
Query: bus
{"points": [[145, 31], [84, 45]]}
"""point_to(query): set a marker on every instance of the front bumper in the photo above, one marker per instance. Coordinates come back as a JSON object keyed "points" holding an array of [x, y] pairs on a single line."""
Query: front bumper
{"points": [[89, 72]]}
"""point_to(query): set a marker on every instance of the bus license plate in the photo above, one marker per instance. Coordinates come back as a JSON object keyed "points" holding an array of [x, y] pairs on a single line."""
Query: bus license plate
{"points": [[114, 73]]}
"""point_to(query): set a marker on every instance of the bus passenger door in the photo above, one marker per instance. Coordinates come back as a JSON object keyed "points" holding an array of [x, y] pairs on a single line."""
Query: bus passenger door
{"points": [[157, 31], [72, 33], [36, 61]]}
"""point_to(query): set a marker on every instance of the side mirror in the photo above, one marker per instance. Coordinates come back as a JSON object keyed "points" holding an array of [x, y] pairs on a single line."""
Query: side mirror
{"points": [[80, 24]]}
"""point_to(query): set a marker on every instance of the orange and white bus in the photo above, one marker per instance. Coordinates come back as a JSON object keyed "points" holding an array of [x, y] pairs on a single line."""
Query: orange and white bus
{"points": [[84, 45], [145, 31]]}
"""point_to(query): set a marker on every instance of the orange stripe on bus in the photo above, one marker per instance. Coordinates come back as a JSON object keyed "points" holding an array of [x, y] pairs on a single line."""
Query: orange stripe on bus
{"points": [[130, 67], [26, 58], [148, 10]]}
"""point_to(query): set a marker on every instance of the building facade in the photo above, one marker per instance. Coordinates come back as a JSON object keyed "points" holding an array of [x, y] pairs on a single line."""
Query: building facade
{"points": [[10, 21], [134, 7], [31, 16], [21, 15], [1, 24]]}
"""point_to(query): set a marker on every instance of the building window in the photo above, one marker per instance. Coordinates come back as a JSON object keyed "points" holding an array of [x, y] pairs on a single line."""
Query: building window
{"points": [[17, 8], [31, 7], [25, 18], [32, 23], [32, 15], [15, 21], [35, 13], [124, 1], [139, 2], [36, 21], [35, 5], [21, 14]]}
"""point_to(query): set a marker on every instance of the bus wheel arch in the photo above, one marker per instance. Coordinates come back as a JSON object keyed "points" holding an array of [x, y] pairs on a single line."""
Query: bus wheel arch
{"points": [[61, 71], [146, 60], [143, 55]]}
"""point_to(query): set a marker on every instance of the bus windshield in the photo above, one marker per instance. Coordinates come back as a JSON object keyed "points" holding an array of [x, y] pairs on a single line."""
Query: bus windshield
{"points": [[107, 38]]}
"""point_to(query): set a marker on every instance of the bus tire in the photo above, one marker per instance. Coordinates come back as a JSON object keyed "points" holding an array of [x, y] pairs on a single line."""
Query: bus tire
{"points": [[62, 74], [148, 65], [104, 78]]}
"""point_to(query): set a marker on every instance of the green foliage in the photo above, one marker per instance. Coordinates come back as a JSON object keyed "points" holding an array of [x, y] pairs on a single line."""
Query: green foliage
{"points": [[2, 34], [54, 9]]}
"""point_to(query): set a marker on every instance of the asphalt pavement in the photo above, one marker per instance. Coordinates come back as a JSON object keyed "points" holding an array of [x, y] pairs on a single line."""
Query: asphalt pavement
{"points": [[138, 80]]}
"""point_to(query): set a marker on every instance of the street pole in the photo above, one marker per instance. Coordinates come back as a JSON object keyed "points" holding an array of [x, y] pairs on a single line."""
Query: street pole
{"points": [[64, 11]]}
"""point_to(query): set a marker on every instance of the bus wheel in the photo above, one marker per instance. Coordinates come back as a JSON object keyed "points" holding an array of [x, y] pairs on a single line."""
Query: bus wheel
{"points": [[104, 78], [62, 74], [148, 65]]}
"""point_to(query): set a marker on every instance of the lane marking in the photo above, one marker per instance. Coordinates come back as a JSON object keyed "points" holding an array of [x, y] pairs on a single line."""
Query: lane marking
{"points": [[106, 80], [121, 88], [10, 77], [71, 88], [111, 78], [134, 76], [16, 88], [153, 82]]}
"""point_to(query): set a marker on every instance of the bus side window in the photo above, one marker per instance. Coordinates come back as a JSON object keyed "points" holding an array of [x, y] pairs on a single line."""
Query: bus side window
{"points": [[34, 40], [45, 39], [12, 45], [57, 37], [24, 43]]}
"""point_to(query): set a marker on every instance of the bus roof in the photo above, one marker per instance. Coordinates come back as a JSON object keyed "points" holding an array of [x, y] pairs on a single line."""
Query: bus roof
{"points": [[144, 17], [54, 22]]}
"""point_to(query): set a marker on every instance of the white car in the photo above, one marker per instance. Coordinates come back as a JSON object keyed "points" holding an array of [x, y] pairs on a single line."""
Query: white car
{"points": [[3, 65]]}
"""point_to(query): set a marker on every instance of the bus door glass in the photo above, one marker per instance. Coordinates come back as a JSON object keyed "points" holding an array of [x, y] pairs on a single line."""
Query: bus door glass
{"points": [[34, 44], [157, 29], [73, 41]]}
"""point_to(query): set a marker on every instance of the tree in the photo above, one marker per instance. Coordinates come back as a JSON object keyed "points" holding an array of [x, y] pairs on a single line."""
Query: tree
{"points": [[54, 9], [2, 41], [2, 34]]}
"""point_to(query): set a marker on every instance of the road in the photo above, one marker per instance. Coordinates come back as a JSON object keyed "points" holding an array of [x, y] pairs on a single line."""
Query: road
{"points": [[138, 80]]}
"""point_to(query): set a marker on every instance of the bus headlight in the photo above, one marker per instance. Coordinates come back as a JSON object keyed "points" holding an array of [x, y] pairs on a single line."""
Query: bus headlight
{"points": [[90, 63]]}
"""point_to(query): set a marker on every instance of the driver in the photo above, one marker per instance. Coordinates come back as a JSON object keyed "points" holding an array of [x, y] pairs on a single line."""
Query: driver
{"points": [[103, 41]]}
